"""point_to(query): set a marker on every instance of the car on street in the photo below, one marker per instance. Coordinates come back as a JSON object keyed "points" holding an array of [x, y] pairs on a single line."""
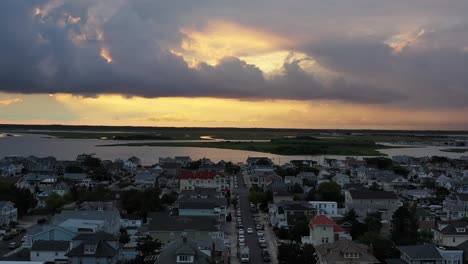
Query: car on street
{"points": [[261, 240], [266, 256], [258, 227], [13, 245], [249, 230], [241, 243], [260, 233], [240, 226], [241, 232]]}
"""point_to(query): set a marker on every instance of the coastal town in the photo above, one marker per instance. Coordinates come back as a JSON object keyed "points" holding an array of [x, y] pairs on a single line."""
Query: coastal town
{"points": [[397, 209]]}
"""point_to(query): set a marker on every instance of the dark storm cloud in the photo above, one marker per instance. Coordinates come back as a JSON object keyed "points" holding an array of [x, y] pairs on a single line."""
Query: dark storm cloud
{"points": [[44, 54]]}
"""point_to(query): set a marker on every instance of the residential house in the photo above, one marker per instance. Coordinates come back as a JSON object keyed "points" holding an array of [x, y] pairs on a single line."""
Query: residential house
{"points": [[450, 233], [96, 248], [50, 251], [77, 177], [132, 223], [365, 202], [61, 188], [166, 227], [327, 208], [132, 163], [426, 219], [290, 181], [8, 213], [324, 230], [455, 206], [388, 181], [182, 250], [146, 179], [107, 221], [171, 169], [202, 207], [255, 161], [341, 179], [47, 233], [286, 213], [428, 253], [344, 251], [182, 160], [163, 161], [188, 180]]}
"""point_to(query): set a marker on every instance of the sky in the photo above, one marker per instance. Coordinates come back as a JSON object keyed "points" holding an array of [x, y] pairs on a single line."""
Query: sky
{"points": [[217, 63]]}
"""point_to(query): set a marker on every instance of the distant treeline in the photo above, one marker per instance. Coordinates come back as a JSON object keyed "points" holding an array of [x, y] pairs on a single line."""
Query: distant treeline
{"points": [[151, 129]]}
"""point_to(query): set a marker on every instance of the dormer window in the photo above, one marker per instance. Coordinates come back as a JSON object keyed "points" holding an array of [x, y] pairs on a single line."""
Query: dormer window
{"points": [[89, 249], [461, 229], [351, 255], [185, 259]]}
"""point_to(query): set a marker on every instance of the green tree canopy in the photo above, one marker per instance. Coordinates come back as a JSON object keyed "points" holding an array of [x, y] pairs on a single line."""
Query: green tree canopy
{"points": [[329, 191]]}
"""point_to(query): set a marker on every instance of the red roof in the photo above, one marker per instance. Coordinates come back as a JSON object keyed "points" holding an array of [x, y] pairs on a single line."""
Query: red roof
{"points": [[325, 220], [198, 175]]}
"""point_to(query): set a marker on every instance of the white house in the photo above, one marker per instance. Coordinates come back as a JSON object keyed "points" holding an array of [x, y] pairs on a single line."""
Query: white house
{"points": [[341, 179], [50, 251], [324, 230], [327, 208], [8, 212]]}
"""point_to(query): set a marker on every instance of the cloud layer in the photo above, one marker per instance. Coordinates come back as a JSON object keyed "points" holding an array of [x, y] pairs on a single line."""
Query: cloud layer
{"points": [[393, 52]]}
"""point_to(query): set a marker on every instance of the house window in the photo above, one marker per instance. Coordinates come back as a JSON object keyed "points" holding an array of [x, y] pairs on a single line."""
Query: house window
{"points": [[184, 259], [453, 239]]}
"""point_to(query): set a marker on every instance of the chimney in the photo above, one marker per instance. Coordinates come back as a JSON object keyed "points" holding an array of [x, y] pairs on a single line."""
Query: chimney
{"points": [[184, 239]]}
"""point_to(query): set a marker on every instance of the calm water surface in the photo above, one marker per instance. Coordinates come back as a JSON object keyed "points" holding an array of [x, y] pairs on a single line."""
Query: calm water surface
{"points": [[68, 149]]}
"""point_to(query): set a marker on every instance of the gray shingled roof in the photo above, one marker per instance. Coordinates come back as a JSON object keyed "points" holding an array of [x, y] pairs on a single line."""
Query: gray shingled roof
{"points": [[164, 222], [365, 195], [184, 247], [46, 245], [334, 252], [103, 250], [415, 252]]}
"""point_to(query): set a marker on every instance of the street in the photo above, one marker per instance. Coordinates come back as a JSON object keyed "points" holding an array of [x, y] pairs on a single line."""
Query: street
{"points": [[247, 218]]}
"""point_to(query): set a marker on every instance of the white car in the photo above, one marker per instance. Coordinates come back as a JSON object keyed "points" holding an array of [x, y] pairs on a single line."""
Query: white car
{"points": [[239, 219], [249, 230], [241, 243], [260, 234], [241, 232], [261, 240]]}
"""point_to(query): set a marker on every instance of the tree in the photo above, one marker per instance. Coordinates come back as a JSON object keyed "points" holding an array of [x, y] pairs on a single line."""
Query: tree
{"points": [[124, 237], [23, 199], [142, 202], [357, 228], [296, 253], [329, 191], [55, 202], [375, 187], [383, 248], [147, 246], [372, 223], [404, 226], [309, 255], [73, 169], [300, 229], [381, 163], [232, 168], [169, 199], [401, 171], [296, 188]]}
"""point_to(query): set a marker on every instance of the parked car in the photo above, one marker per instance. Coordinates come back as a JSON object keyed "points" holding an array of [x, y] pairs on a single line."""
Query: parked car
{"points": [[13, 245], [249, 230], [266, 256]]}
